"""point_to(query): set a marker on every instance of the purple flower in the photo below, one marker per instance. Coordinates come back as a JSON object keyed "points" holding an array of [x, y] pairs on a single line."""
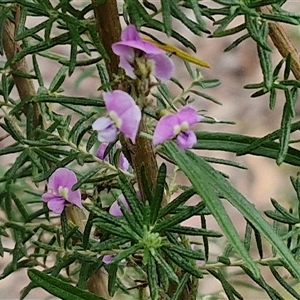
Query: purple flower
{"points": [[141, 58], [123, 116], [60, 190], [108, 258], [115, 209], [123, 162], [177, 125]]}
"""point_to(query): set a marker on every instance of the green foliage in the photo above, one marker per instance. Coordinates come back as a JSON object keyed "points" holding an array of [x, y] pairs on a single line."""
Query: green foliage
{"points": [[153, 251]]}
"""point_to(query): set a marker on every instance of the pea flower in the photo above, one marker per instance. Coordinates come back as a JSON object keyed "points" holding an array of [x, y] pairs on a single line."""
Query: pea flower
{"points": [[60, 190], [115, 209], [108, 258], [123, 116], [177, 126], [123, 162], [141, 58]]}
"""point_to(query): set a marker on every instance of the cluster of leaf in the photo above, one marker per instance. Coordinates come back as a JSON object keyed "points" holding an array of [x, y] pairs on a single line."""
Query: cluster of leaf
{"points": [[151, 240]]}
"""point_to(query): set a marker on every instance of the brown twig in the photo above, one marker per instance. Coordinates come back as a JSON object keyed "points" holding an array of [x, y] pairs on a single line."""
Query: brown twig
{"points": [[24, 85], [283, 43]]}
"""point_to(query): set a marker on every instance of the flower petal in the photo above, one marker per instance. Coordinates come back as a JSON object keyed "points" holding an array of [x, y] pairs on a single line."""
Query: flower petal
{"points": [[186, 139], [188, 114], [62, 177], [101, 150], [49, 196], [57, 205], [74, 197], [123, 162], [118, 101], [131, 38], [130, 34], [163, 66], [164, 129], [102, 123], [131, 119], [127, 66], [107, 131], [109, 135], [127, 111], [146, 47], [115, 209], [107, 258]]}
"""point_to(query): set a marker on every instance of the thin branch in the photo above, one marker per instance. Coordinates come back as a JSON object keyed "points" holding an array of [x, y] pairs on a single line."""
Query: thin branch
{"points": [[11, 47], [283, 43]]}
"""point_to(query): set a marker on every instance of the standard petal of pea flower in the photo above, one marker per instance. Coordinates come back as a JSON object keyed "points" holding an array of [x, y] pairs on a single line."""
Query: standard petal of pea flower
{"points": [[142, 58], [123, 116], [177, 126], [60, 192]]}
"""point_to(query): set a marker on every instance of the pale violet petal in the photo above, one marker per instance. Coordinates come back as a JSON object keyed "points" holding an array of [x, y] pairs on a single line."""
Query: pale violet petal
{"points": [[102, 123], [130, 34], [107, 258], [101, 150], [115, 209], [186, 139], [74, 197], [127, 66], [62, 177], [118, 101], [144, 46], [165, 129], [56, 205], [49, 197], [163, 66], [123, 162], [130, 122], [107, 131], [188, 114], [108, 135]]}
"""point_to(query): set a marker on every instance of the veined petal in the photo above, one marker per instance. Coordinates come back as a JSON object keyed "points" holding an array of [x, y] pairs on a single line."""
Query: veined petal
{"points": [[62, 177], [186, 139], [49, 197], [163, 66], [146, 47], [118, 101], [130, 34], [130, 38], [74, 197], [127, 111], [188, 114], [164, 129], [57, 205], [130, 122]]}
